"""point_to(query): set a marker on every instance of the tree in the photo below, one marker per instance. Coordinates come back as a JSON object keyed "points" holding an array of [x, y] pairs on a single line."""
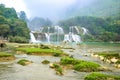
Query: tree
{"points": [[4, 30], [22, 16]]}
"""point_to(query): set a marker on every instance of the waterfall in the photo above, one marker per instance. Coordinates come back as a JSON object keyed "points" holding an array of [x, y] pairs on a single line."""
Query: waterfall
{"points": [[85, 31], [76, 38], [77, 29], [32, 37], [59, 30], [67, 38], [47, 37], [72, 37], [56, 34]]}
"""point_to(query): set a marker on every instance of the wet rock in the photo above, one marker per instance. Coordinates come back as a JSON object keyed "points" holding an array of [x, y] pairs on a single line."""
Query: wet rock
{"points": [[51, 65], [101, 58], [117, 66], [113, 60], [85, 54], [103, 68]]}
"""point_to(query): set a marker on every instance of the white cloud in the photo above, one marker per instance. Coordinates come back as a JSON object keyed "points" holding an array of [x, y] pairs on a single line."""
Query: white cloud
{"points": [[19, 5]]}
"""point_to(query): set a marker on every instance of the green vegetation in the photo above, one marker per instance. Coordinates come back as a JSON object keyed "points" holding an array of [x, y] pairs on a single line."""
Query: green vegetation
{"points": [[80, 65], [58, 69], [101, 29], [24, 62], [87, 66], [4, 54], [45, 62], [39, 51], [102, 8], [100, 76], [11, 27]]}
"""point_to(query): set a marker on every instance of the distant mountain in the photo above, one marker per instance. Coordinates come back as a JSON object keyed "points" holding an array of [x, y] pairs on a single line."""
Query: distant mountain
{"points": [[97, 8]]}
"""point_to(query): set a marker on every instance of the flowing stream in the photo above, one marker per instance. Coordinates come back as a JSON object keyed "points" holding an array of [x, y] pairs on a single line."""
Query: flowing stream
{"points": [[38, 71]]}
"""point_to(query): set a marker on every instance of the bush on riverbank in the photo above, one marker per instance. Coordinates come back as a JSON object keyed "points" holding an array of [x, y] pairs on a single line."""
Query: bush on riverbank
{"points": [[24, 62], [45, 62], [100, 76]]}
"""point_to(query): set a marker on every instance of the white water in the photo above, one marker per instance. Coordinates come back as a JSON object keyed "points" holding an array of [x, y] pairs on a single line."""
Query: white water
{"points": [[55, 35], [48, 37], [59, 30], [85, 31], [67, 38], [77, 29], [72, 37], [76, 38], [32, 38]]}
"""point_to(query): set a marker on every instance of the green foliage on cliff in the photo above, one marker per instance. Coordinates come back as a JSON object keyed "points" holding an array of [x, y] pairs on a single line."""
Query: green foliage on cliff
{"points": [[11, 25]]}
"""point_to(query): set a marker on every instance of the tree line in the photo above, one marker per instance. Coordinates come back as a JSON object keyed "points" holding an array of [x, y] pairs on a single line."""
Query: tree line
{"points": [[12, 28], [102, 29]]}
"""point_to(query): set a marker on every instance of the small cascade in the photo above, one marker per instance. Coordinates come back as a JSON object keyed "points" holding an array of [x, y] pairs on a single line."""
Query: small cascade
{"points": [[59, 30], [76, 38], [32, 37], [47, 37], [85, 31], [77, 29], [72, 38], [67, 38]]}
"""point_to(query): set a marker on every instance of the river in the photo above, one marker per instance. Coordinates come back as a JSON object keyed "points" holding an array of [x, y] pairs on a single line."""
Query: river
{"points": [[38, 71]]}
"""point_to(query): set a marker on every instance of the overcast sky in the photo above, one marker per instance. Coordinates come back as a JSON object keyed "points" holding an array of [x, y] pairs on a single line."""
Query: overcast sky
{"points": [[44, 8]]}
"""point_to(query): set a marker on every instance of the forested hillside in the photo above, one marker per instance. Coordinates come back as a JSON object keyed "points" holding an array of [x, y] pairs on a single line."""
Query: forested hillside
{"points": [[102, 29], [98, 8], [11, 27]]}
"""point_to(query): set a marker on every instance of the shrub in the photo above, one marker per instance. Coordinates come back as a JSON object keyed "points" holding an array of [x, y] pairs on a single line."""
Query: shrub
{"points": [[18, 39], [59, 71], [56, 65], [45, 62], [56, 54], [23, 62]]}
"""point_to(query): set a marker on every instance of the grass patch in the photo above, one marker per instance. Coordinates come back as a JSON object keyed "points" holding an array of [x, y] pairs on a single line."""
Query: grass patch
{"points": [[39, 51], [24, 62], [80, 65], [4, 54], [100, 76]]}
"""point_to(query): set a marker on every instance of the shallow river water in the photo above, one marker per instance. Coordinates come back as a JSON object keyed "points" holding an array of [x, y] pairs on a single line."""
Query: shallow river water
{"points": [[38, 71]]}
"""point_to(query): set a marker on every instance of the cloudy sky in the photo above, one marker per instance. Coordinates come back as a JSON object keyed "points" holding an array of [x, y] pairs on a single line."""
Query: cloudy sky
{"points": [[44, 8]]}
